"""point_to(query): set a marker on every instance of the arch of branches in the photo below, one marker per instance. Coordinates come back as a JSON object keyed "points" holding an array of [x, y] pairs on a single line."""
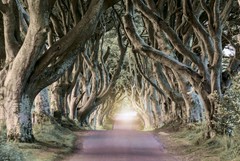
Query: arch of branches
{"points": [[77, 59]]}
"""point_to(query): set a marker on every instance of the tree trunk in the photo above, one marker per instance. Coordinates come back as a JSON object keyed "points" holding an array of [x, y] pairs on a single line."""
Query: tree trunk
{"points": [[208, 111], [73, 100], [18, 98], [42, 106], [148, 106], [18, 116], [155, 106], [85, 110], [104, 109], [72, 108], [191, 99], [55, 107], [141, 111], [2, 109], [144, 116]]}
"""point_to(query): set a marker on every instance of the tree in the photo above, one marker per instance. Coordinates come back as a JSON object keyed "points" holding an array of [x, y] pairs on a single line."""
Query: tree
{"points": [[195, 53], [29, 65]]}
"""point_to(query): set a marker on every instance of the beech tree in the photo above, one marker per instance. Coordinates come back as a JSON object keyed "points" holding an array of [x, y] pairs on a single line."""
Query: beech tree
{"points": [[185, 37], [29, 64]]}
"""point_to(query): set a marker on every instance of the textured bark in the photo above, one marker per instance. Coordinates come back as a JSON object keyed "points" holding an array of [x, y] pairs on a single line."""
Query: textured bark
{"points": [[41, 106], [74, 90], [2, 109], [42, 102], [10, 29], [164, 111], [103, 110], [192, 110], [55, 102], [86, 109], [73, 102], [17, 98], [2, 44], [18, 117], [155, 107], [164, 84], [147, 104]]}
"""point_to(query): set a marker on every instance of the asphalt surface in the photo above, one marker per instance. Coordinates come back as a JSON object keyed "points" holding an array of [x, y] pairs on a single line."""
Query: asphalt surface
{"points": [[119, 145]]}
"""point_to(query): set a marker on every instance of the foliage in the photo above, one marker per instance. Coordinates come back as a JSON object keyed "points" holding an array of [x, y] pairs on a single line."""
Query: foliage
{"points": [[227, 116]]}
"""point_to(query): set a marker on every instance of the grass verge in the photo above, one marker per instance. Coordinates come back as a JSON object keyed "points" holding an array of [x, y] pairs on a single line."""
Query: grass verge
{"points": [[52, 143], [188, 143]]}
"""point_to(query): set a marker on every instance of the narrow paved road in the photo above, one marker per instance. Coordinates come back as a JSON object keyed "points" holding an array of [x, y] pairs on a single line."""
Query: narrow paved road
{"points": [[119, 145]]}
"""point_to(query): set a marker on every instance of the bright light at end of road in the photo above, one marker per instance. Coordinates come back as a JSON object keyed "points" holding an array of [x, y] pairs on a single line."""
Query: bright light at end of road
{"points": [[125, 116]]}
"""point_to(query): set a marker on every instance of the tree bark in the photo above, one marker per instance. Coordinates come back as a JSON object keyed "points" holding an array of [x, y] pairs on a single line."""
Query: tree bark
{"points": [[41, 107], [155, 107], [18, 117], [2, 109], [18, 99]]}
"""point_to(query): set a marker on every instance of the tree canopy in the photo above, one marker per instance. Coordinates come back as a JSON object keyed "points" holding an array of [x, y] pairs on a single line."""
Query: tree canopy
{"points": [[77, 58]]}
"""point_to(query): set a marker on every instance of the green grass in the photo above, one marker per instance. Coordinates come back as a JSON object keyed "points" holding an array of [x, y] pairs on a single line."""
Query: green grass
{"points": [[52, 143], [222, 148]]}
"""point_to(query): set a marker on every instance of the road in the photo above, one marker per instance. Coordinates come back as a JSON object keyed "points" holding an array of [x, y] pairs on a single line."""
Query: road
{"points": [[119, 145]]}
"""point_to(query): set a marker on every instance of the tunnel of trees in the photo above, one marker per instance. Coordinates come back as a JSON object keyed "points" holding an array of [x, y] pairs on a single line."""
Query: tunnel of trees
{"points": [[174, 60]]}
